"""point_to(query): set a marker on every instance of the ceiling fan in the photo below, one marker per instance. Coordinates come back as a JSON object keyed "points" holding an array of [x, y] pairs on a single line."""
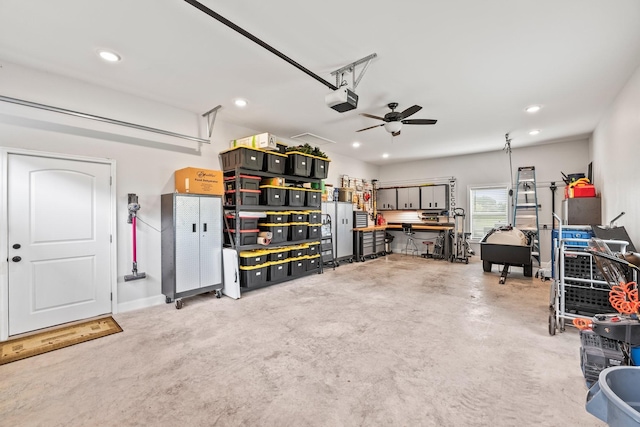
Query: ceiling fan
{"points": [[394, 120]]}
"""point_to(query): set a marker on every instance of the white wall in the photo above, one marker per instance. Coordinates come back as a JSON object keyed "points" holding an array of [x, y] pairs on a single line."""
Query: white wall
{"points": [[145, 161], [493, 168], [614, 146]]}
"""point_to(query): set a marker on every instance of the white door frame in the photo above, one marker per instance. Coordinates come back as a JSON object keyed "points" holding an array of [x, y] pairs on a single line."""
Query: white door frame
{"points": [[4, 226]]}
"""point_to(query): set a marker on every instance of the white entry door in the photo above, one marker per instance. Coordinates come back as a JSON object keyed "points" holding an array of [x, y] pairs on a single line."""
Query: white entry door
{"points": [[59, 214]]}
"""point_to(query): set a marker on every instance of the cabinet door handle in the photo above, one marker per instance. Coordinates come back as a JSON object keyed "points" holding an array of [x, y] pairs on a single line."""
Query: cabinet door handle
{"points": [[204, 227], [193, 228], [436, 204]]}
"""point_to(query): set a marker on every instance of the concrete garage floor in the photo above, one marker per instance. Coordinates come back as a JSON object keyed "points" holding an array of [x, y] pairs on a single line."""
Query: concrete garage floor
{"points": [[396, 341]]}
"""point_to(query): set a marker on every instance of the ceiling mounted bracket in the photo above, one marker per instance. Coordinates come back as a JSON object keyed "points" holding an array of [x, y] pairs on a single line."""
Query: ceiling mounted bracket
{"points": [[211, 118], [351, 68]]}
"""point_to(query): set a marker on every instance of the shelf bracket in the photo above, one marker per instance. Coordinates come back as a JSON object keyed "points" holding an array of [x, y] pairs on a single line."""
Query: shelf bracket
{"points": [[211, 118], [351, 68]]}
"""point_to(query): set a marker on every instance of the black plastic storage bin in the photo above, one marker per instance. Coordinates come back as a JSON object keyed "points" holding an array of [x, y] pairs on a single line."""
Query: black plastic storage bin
{"points": [[247, 237], [295, 196], [313, 198], [275, 162], [320, 168], [242, 197], [246, 223], [297, 252], [298, 216], [272, 195], [278, 270], [252, 258], [298, 231], [314, 217], [276, 217], [313, 262], [242, 157], [280, 232], [299, 164], [253, 276], [314, 231], [247, 182], [278, 254], [313, 249], [298, 266]]}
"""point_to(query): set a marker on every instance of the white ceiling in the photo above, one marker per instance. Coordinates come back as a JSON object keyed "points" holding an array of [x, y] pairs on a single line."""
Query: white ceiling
{"points": [[473, 65]]}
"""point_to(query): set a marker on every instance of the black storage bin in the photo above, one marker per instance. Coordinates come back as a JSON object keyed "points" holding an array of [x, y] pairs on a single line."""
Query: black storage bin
{"points": [[242, 197], [278, 270], [320, 168], [275, 163], [314, 231], [313, 262], [242, 157], [295, 197], [278, 254], [298, 216], [247, 182], [246, 223], [313, 249], [280, 231], [253, 276], [252, 258], [281, 148], [246, 237], [299, 164], [314, 217], [298, 231], [276, 217], [298, 266], [272, 195], [313, 198], [297, 252]]}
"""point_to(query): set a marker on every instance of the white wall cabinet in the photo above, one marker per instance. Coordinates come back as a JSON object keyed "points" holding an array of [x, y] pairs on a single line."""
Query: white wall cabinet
{"points": [[434, 197], [386, 199], [409, 198]]}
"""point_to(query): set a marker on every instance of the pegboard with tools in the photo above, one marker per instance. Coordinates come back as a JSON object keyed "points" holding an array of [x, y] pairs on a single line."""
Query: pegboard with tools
{"points": [[362, 192]]}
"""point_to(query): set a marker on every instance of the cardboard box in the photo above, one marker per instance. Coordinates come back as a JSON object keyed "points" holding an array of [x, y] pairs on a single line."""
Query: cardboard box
{"points": [[199, 181], [265, 141]]}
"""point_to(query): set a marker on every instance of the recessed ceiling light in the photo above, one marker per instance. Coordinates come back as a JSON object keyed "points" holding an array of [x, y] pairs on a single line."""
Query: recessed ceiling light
{"points": [[534, 132], [356, 144], [533, 109], [385, 155], [109, 56], [241, 103]]}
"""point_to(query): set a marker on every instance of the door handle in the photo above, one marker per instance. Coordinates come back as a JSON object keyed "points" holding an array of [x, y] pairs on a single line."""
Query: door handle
{"points": [[193, 228], [16, 246], [16, 259], [204, 227]]}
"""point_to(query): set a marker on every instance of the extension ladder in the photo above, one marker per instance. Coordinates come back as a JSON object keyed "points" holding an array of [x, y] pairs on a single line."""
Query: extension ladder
{"points": [[525, 208]]}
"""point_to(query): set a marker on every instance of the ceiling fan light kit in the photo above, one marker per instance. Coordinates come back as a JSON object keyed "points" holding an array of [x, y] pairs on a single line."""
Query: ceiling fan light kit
{"points": [[394, 120]]}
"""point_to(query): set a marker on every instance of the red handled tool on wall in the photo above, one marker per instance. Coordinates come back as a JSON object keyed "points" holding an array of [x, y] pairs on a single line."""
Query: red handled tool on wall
{"points": [[134, 207]]}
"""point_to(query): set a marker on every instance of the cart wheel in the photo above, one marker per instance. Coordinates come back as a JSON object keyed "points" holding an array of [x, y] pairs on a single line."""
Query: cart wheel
{"points": [[350, 260], [179, 304], [486, 266], [218, 293], [336, 264], [361, 259], [168, 300], [552, 324], [466, 260]]}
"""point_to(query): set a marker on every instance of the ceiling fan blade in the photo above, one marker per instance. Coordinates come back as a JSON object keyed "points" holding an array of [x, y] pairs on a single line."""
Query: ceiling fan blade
{"points": [[395, 133], [371, 116], [410, 111], [419, 122], [371, 127]]}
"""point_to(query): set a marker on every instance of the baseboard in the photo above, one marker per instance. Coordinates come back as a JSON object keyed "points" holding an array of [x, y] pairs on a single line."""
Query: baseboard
{"points": [[141, 303]]}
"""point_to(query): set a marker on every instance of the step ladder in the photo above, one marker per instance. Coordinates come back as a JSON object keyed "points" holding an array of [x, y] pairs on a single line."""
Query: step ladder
{"points": [[525, 208]]}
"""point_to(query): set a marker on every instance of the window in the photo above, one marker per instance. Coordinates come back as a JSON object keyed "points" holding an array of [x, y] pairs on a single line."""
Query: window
{"points": [[489, 207]]}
